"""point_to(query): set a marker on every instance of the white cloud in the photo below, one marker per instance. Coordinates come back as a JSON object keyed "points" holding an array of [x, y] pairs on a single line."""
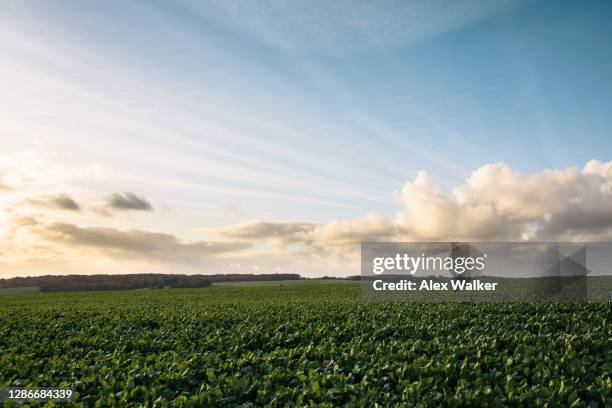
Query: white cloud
{"points": [[495, 203], [428, 214], [498, 203]]}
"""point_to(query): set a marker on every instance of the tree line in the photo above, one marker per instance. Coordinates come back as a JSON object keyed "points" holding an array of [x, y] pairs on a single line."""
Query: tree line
{"points": [[70, 283]]}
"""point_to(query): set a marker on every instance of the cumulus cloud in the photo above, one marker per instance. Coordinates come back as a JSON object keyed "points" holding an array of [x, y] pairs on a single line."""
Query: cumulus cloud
{"points": [[430, 215], [499, 203], [59, 201], [495, 203], [128, 201], [562, 204]]}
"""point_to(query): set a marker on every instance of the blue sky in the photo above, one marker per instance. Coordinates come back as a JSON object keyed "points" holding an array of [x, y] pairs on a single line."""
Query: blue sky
{"points": [[225, 111]]}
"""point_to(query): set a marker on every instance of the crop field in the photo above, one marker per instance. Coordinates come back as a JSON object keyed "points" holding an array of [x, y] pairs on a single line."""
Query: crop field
{"points": [[304, 344]]}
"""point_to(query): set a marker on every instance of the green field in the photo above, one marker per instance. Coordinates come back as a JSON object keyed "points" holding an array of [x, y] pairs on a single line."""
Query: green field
{"points": [[285, 282], [304, 343], [12, 291]]}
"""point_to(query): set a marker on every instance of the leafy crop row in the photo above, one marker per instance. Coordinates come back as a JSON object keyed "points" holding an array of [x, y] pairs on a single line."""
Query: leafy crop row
{"points": [[302, 345]]}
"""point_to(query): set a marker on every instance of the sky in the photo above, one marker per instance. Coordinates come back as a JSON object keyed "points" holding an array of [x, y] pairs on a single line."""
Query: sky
{"points": [[275, 136]]}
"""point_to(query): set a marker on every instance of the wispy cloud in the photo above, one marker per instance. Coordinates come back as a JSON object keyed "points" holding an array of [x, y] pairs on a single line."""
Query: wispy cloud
{"points": [[324, 27]]}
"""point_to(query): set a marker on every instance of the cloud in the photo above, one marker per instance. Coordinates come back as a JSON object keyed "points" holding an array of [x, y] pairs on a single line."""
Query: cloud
{"points": [[428, 214], [499, 203], [340, 25], [341, 233], [324, 239], [495, 203], [39, 246], [128, 201], [560, 204], [118, 243], [278, 234], [59, 201]]}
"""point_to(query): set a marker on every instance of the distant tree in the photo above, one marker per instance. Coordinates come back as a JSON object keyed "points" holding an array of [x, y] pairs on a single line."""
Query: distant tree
{"points": [[56, 283]]}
